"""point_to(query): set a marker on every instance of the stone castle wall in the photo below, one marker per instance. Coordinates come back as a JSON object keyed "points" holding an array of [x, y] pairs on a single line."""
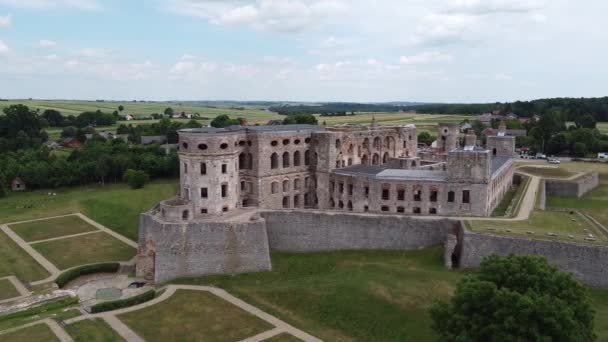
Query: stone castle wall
{"points": [[572, 188], [587, 263], [310, 231], [172, 250]]}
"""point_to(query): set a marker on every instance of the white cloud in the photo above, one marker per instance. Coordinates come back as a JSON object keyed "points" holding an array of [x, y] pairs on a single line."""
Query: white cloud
{"points": [[88, 5], [47, 44], [503, 77], [5, 21], [4, 49], [52, 57], [426, 58], [482, 7], [440, 29], [264, 15]]}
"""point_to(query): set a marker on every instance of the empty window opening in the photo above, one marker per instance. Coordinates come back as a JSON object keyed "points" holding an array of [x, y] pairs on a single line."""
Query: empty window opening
{"points": [[307, 158], [296, 201], [224, 168], [285, 202], [386, 194], [225, 209], [367, 191], [274, 161], [451, 197], [296, 158], [203, 168], [243, 186], [433, 211], [433, 196], [285, 186], [274, 187], [341, 205], [286, 159], [417, 195], [385, 208], [185, 168], [224, 190], [341, 188], [401, 210], [350, 189], [185, 215], [204, 193], [401, 195], [366, 208], [466, 196], [350, 206], [204, 211], [417, 210]]}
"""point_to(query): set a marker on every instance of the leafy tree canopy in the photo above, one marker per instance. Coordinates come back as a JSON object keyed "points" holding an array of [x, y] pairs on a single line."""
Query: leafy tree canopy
{"points": [[517, 298], [224, 120]]}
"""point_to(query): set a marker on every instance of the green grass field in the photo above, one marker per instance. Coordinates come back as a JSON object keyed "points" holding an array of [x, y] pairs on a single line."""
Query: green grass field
{"points": [[35, 333], [95, 330], [115, 206], [15, 261], [345, 296], [194, 316], [86, 249], [543, 223], [52, 228], [7, 290], [547, 172], [285, 337]]}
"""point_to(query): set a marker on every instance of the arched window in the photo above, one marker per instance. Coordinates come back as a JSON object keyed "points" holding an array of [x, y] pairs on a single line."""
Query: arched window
{"points": [[377, 143], [296, 158], [385, 158], [296, 184], [285, 159], [286, 185], [274, 161], [307, 158], [341, 205], [364, 160], [366, 143], [274, 187], [376, 159], [338, 144], [350, 161], [286, 202], [250, 161], [242, 161]]}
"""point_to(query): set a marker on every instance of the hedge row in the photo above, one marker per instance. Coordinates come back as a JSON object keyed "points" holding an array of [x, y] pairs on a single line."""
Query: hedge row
{"points": [[74, 273], [123, 303]]}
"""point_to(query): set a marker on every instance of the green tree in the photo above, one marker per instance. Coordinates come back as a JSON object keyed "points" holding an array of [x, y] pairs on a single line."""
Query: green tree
{"points": [[121, 108], [136, 179], [224, 120], [586, 121], [425, 138], [579, 149], [517, 298], [168, 111], [3, 183], [53, 117], [300, 119]]}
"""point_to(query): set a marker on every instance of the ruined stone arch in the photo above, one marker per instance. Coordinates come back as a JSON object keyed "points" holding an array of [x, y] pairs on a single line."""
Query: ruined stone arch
{"points": [[377, 143], [274, 161], [376, 159], [286, 159]]}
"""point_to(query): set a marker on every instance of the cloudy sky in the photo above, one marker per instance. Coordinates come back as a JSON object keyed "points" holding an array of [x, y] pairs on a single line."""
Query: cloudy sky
{"points": [[303, 50]]}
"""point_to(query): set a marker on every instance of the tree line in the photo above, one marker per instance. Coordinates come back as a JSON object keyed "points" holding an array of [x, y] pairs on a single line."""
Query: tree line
{"points": [[571, 108]]}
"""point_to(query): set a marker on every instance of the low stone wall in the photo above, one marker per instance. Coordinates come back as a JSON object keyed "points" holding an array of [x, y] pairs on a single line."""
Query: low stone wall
{"points": [[572, 188], [171, 250], [308, 231], [588, 264]]}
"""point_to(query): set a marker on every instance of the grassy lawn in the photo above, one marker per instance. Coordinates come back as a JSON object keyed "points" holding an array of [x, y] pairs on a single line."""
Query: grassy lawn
{"points": [[285, 337], [547, 172], [55, 310], [542, 223], [115, 206], [35, 333], [7, 290], [86, 249], [513, 195], [95, 330], [47, 229], [15, 261], [194, 316], [345, 296]]}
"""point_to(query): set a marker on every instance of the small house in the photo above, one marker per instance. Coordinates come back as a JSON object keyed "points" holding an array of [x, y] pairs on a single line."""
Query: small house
{"points": [[129, 117], [71, 143], [18, 184]]}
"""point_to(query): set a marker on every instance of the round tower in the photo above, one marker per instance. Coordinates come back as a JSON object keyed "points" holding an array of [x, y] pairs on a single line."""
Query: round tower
{"points": [[209, 170], [447, 136]]}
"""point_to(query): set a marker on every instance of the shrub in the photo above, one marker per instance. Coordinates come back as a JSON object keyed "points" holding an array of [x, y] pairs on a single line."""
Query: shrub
{"points": [[136, 179], [74, 273], [123, 303]]}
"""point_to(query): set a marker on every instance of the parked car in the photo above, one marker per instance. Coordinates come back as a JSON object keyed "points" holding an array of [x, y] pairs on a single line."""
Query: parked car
{"points": [[553, 161]]}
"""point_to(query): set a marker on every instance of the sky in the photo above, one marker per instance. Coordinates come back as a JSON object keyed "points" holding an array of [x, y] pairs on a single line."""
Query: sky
{"points": [[303, 50]]}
